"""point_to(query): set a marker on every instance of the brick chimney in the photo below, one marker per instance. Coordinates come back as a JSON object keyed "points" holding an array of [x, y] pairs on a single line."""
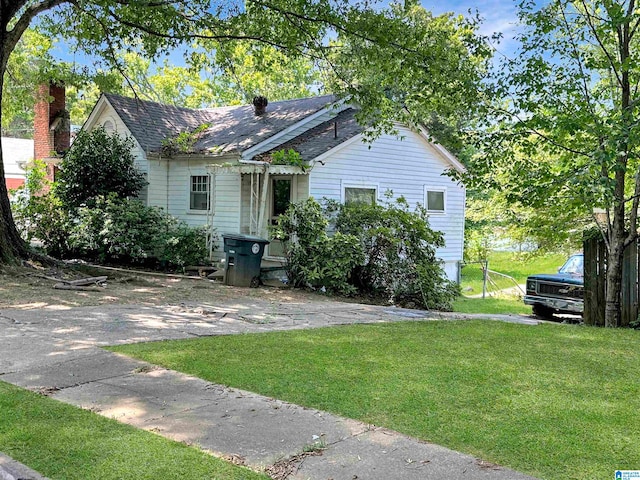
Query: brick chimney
{"points": [[51, 126]]}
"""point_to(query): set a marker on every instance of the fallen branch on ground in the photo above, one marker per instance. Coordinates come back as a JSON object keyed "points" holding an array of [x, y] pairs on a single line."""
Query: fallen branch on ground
{"points": [[78, 282], [66, 286]]}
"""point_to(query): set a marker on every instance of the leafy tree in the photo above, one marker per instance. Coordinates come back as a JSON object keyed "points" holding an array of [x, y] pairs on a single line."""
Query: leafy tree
{"points": [[433, 81], [220, 74], [32, 64], [149, 28], [25, 67], [566, 134], [240, 71], [98, 164]]}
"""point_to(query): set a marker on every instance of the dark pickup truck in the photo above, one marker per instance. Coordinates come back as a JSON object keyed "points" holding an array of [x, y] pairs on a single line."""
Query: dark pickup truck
{"points": [[558, 293]]}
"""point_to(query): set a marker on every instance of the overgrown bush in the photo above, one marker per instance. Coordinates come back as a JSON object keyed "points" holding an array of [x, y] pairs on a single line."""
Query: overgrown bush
{"points": [[106, 227], [386, 251], [127, 231], [184, 245], [38, 212], [400, 254], [313, 259], [98, 164]]}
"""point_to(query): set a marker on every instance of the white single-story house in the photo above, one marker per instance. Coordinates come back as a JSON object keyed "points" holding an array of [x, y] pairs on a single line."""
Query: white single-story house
{"points": [[16, 153], [222, 176]]}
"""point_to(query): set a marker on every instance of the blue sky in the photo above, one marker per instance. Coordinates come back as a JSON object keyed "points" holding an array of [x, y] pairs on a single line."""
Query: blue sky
{"points": [[498, 16]]}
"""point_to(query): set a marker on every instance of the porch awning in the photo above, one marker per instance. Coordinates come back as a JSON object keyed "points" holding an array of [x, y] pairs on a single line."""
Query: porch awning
{"points": [[247, 168]]}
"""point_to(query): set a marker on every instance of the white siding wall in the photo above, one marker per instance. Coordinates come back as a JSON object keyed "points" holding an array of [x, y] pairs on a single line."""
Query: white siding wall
{"points": [[227, 210], [15, 151], [405, 167], [180, 172], [226, 191], [157, 178]]}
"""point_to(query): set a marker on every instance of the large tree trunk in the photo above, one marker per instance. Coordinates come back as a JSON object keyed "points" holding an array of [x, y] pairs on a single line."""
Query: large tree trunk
{"points": [[617, 232], [613, 296], [12, 247]]}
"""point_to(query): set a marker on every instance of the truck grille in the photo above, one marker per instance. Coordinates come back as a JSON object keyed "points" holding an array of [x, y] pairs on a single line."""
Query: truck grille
{"points": [[559, 290]]}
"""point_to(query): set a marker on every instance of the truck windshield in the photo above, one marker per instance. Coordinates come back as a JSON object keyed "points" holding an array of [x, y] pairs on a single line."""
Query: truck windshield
{"points": [[573, 266]]}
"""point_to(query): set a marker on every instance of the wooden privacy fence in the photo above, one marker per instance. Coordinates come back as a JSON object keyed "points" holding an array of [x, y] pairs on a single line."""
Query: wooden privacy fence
{"points": [[595, 267]]}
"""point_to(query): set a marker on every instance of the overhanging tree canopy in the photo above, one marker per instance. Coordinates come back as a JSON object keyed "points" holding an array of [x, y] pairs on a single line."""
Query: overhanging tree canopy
{"points": [[151, 27]]}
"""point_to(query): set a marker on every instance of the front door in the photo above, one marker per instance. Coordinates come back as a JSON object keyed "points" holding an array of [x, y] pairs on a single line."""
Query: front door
{"points": [[280, 198]]}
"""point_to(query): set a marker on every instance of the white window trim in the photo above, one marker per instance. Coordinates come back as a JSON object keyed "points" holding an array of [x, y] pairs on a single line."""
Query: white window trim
{"points": [[197, 211], [345, 185], [429, 188]]}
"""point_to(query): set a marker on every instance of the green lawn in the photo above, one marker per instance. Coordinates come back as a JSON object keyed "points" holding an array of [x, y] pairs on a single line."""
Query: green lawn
{"points": [[489, 305], [512, 264], [557, 402], [64, 442], [508, 263]]}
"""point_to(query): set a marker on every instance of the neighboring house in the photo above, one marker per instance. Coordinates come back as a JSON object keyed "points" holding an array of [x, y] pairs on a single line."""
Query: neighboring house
{"points": [[16, 153], [222, 176]]}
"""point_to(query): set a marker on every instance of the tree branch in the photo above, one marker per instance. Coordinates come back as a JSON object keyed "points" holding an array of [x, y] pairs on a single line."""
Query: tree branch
{"points": [[13, 36], [201, 36], [588, 17], [578, 57], [541, 135], [331, 23]]}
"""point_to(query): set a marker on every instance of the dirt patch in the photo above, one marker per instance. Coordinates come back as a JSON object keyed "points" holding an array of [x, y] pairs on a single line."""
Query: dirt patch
{"points": [[25, 288]]}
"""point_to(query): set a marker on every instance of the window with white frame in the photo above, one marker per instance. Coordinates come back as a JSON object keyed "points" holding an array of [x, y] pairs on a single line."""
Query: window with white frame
{"points": [[199, 192], [360, 194], [435, 199]]}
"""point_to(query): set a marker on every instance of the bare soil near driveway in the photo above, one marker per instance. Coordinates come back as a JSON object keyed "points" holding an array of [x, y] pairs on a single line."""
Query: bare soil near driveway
{"points": [[27, 288]]}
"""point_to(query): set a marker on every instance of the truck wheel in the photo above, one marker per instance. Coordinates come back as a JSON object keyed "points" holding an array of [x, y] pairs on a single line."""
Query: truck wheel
{"points": [[542, 312]]}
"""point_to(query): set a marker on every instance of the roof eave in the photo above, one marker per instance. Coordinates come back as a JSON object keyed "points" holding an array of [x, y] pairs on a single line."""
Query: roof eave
{"points": [[224, 156], [337, 106], [448, 156]]}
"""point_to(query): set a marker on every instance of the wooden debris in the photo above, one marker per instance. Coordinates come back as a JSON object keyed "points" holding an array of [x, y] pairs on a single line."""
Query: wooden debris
{"points": [[86, 281], [84, 288], [81, 281], [89, 284]]}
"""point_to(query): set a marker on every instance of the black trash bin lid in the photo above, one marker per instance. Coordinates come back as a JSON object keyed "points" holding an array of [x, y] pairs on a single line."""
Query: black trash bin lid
{"points": [[244, 238]]}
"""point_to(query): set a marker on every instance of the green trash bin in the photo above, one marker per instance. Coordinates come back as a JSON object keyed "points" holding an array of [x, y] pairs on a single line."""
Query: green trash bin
{"points": [[243, 255]]}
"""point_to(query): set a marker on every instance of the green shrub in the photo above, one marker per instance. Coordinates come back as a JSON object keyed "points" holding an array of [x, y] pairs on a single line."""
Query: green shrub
{"points": [[313, 259], [106, 228], [385, 251], [118, 230], [38, 212], [400, 254], [98, 164], [127, 231], [184, 245]]}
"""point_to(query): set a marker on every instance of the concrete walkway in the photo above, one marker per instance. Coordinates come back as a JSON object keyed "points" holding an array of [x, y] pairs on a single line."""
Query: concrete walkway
{"points": [[57, 351]]}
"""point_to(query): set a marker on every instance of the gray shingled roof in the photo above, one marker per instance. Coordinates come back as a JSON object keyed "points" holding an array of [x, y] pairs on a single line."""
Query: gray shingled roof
{"points": [[233, 129], [322, 138]]}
